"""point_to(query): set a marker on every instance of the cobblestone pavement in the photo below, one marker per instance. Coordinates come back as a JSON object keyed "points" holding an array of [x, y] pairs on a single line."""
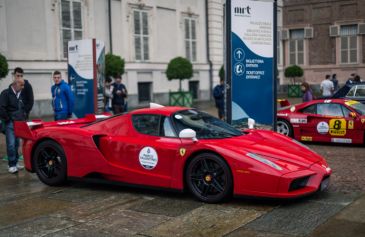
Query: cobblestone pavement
{"points": [[30, 208]]}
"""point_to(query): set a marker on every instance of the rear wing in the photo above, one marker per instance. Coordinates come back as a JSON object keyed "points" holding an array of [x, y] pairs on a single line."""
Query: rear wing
{"points": [[23, 129], [283, 102]]}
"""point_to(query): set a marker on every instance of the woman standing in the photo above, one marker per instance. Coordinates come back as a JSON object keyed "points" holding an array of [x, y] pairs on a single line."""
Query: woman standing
{"points": [[307, 92]]}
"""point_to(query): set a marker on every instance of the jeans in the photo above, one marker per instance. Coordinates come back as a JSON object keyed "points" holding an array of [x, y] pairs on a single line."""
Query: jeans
{"points": [[12, 144]]}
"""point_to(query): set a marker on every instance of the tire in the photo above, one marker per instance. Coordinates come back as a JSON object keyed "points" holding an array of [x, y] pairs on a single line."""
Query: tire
{"points": [[49, 162], [284, 127], [209, 178]]}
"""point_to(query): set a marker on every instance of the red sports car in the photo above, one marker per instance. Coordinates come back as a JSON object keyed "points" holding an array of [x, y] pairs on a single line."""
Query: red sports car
{"points": [[175, 148], [331, 120]]}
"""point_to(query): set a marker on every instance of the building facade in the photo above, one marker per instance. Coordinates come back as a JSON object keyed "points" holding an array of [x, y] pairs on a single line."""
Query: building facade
{"points": [[324, 37], [146, 33]]}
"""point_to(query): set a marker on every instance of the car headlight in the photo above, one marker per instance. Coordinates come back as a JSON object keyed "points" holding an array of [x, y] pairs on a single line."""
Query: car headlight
{"points": [[263, 160]]}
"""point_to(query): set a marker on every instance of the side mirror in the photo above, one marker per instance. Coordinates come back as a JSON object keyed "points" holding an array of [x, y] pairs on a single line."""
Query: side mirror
{"points": [[188, 133], [352, 115]]}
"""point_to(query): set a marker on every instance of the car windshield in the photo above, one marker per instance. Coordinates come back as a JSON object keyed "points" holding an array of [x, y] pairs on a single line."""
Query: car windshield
{"points": [[205, 125], [359, 107]]}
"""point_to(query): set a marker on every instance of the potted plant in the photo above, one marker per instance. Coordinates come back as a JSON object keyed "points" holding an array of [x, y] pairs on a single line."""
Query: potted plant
{"points": [[180, 68], [293, 72], [4, 67], [114, 65]]}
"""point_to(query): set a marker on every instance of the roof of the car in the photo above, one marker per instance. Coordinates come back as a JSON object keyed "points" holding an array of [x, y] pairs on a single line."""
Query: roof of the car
{"points": [[166, 110]]}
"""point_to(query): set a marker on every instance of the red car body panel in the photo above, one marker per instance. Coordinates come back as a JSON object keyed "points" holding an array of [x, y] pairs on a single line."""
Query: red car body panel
{"points": [[111, 149], [305, 125]]}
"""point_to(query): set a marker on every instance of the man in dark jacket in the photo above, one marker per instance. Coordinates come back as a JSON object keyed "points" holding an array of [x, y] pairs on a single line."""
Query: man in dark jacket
{"points": [[12, 109], [218, 94], [27, 92], [62, 98], [119, 95]]}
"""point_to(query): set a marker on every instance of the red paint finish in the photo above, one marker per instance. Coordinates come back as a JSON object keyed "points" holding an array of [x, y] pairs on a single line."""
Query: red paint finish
{"points": [[317, 127], [113, 149]]}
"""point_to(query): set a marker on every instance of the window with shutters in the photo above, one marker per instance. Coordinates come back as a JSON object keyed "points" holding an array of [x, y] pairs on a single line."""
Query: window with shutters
{"points": [[71, 23], [190, 38], [296, 47], [348, 38], [141, 35]]}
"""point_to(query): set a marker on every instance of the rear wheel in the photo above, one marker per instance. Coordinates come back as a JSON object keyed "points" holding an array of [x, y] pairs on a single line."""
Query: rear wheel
{"points": [[209, 178], [50, 164], [284, 127]]}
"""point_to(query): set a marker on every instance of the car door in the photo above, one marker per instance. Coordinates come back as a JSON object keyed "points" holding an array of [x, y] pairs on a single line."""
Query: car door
{"points": [[153, 151], [329, 123], [140, 148]]}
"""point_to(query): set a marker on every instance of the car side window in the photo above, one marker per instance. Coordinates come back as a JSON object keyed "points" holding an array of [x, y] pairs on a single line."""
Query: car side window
{"points": [[167, 130], [329, 110], [312, 109], [147, 124], [346, 111], [351, 92], [360, 91]]}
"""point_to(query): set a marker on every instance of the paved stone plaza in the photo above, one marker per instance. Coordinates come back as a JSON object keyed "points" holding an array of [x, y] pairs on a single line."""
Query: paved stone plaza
{"points": [[30, 208]]}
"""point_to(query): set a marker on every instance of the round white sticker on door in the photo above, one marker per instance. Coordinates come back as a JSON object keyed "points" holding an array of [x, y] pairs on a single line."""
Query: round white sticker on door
{"points": [[322, 127], [148, 158]]}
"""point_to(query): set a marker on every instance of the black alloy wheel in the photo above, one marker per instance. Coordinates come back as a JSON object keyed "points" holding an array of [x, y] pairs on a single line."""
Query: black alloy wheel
{"points": [[49, 163], [209, 178]]}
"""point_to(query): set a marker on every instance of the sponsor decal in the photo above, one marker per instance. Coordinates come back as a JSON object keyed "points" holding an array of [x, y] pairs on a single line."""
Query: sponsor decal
{"points": [[327, 101], [341, 140], [292, 109], [306, 138], [337, 127], [182, 151], [148, 158], [322, 127], [362, 120], [298, 120], [283, 115], [351, 124]]}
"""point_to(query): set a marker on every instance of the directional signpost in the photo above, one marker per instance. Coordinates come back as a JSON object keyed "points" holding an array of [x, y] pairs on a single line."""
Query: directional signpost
{"points": [[251, 61]]}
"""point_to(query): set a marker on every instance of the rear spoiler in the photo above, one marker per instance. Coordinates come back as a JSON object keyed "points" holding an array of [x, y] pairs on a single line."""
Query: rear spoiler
{"points": [[24, 129], [283, 102]]}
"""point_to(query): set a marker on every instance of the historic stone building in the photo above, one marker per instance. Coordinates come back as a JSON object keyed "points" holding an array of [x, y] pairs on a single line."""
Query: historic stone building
{"points": [[146, 33], [324, 37]]}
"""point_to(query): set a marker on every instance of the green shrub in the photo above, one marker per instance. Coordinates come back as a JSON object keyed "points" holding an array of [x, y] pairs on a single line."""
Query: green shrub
{"points": [[114, 65], [293, 72], [4, 67], [221, 73], [179, 68]]}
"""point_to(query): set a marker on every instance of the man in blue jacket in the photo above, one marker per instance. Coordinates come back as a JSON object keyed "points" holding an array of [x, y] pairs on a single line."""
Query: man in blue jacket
{"points": [[62, 98]]}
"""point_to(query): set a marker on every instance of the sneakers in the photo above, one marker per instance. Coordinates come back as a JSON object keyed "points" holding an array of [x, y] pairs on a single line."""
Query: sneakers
{"points": [[13, 169], [19, 167]]}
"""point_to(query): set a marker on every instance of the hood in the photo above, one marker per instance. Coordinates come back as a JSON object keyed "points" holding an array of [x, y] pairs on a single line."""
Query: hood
{"points": [[273, 145]]}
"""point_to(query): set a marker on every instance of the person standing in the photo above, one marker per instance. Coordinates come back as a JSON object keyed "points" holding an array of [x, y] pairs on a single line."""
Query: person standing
{"points": [[107, 95], [307, 92], [218, 94], [119, 95], [12, 109], [335, 82], [27, 92], [62, 98], [327, 87]]}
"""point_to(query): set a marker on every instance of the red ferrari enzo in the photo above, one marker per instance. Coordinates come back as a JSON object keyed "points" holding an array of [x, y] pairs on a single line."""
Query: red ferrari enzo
{"points": [[331, 120], [175, 148]]}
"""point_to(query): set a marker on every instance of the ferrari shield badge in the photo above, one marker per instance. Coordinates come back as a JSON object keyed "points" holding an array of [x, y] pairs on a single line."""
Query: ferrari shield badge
{"points": [[182, 151]]}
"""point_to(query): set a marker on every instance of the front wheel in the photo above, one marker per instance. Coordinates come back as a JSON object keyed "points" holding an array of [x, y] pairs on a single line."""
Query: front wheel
{"points": [[209, 178], [49, 162], [284, 127]]}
